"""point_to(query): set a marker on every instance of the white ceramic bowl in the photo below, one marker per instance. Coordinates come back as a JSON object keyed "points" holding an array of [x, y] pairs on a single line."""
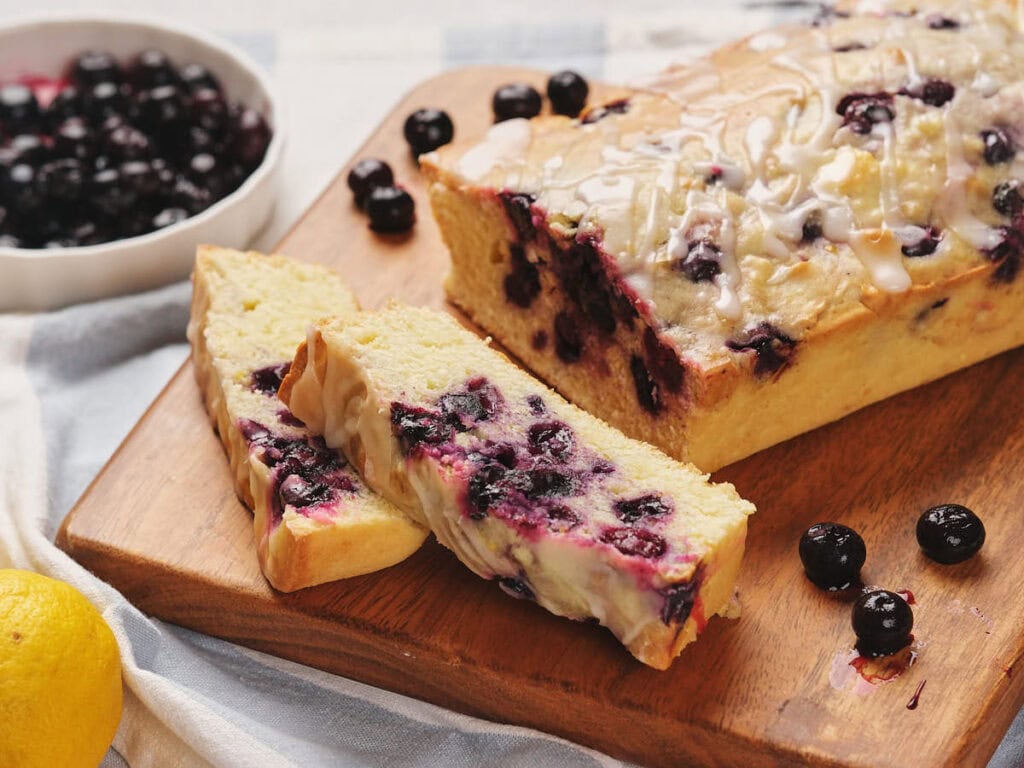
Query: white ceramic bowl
{"points": [[48, 278]]}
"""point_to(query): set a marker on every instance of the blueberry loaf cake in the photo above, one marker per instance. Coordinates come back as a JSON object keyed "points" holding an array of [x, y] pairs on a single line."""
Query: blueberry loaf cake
{"points": [[522, 486], [763, 240], [315, 520]]}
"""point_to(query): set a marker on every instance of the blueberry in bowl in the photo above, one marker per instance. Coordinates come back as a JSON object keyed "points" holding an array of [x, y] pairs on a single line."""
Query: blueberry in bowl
{"points": [[136, 141]]}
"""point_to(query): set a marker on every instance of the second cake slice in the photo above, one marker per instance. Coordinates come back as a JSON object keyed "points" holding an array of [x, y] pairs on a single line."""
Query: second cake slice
{"points": [[522, 486]]}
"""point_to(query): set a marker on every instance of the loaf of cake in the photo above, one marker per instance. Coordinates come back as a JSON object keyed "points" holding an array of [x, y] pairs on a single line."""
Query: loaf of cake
{"points": [[315, 520], [523, 487], [765, 239]]}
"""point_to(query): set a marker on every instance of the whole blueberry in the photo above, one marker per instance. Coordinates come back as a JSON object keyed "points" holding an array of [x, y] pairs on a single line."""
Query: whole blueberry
{"points": [[391, 209], [161, 109], [366, 175], [196, 77], [138, 177], [169, 216], [74, 138], [66, 104], [427, 129], [27, 148], [19, 110], [209, 110], [151, 69], [61, 180], [950, 533], [103, 100], [127, 143], [882, 621], [515, 100], [108, 194], [567, 91], [251, 138], [19, 188], [832, 555], [92, 67]]}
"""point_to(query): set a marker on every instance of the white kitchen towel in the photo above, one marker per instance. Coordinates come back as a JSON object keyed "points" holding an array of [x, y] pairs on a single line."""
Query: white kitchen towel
{"points": [[74, 381]]}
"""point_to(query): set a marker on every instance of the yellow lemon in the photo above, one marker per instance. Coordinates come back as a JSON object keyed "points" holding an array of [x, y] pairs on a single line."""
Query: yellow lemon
{"points": [[60, 675]]}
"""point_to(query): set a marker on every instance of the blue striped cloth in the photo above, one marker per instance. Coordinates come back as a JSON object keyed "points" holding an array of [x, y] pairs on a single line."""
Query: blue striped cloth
{"points": [[74, 381]]}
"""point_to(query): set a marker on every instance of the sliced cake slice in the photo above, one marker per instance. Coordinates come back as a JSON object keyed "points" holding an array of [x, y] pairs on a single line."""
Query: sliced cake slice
{"points": [[522, 486], [315, 520]]}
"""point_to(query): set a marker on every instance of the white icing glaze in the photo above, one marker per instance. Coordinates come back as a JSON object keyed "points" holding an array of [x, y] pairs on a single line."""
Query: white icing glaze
{"points": [[766, 41], [505, 141]]}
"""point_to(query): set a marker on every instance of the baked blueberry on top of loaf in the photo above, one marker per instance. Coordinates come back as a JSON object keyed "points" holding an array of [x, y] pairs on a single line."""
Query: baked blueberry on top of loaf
{"points": [[315, 520], [762, 240], [523, 487]]}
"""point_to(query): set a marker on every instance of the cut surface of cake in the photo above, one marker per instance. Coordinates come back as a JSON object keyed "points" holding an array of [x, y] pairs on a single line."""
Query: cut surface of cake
{"points": [[763, 240], [522, 486], [315, 520]]}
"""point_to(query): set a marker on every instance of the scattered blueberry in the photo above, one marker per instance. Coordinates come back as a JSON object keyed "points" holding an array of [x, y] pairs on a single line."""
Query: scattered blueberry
{"points": [[950, 533], [882, 621], [567, 91], [832, 555], [391, 210], [1006, 198], [366, 175], [427, 129], [515, 100], [999, 147]]}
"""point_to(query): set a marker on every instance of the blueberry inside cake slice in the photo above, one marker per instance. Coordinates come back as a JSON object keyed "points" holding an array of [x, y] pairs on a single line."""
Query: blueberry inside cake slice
{"points": [[523, 487], [315, 520]]}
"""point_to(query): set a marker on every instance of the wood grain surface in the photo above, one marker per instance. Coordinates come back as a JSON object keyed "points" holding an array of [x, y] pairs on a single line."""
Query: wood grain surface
{"points": [[162, 524]]}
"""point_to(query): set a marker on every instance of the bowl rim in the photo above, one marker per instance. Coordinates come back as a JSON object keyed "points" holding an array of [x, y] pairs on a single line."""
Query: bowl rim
{"points": [[238, 56]]}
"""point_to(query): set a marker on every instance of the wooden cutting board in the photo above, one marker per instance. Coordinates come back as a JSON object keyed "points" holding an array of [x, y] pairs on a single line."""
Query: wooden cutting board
{"points": [[162, 524]]}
